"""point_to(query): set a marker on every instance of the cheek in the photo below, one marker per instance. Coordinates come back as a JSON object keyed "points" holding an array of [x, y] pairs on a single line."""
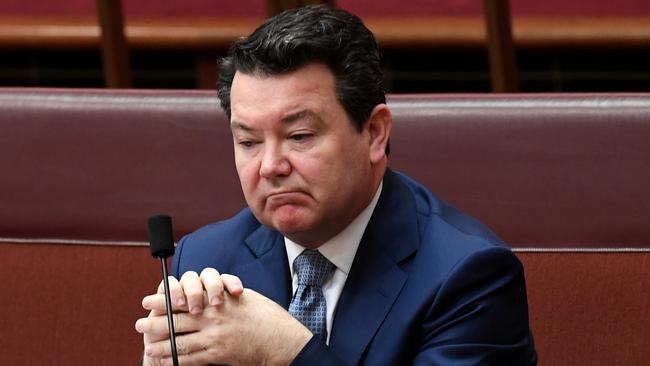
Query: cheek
{"points": [[248, 176], [325, 175], [350, 174], [315, 168]]}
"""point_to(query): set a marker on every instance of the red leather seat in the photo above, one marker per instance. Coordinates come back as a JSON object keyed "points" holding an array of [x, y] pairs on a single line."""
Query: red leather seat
{"points": [[562, 178]]}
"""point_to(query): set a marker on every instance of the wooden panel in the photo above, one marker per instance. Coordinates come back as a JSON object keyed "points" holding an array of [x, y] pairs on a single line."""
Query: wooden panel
{"points": [[501, 49], [244, 8], [589, 308], [392, 33], [77, 305], [274, 7], [115, 54], [73, 305], [207, 70]]}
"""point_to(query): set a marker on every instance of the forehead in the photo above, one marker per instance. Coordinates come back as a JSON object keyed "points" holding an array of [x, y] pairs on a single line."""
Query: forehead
{"points": [[310, 87]]}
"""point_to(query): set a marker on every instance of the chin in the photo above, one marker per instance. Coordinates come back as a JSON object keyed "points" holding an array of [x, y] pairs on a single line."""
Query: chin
{"points": [[290, 227]]}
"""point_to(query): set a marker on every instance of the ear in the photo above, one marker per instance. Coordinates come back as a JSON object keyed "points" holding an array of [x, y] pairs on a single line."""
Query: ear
{"points": [[379, 126]]}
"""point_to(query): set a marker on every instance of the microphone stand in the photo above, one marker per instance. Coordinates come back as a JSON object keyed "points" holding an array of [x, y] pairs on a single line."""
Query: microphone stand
{"points": [[170, 317]]}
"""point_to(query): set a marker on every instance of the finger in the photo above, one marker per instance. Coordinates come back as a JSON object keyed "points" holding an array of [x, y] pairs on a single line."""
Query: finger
{"points": [[193, 290], [149, 304], [161, 288], [156, 303], [213, 285], [157, 325], [191, 349], [197, 358], [178, 300], [232, 284], [142, 326], [175, 291], [150, 337]]}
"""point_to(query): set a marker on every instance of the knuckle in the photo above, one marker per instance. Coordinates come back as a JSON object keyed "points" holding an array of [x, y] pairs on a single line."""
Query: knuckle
{"points": [[192, 291], [215, 353], [176, 294], [213, 317], [189, 275], [209, 273], [174, 286], [218, 285], [182, 346], [231, 278], [172, 281], [179, 323]]}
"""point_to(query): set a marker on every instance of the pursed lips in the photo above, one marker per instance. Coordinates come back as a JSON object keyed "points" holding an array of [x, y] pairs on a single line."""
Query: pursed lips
{"points": [[284, 197]]}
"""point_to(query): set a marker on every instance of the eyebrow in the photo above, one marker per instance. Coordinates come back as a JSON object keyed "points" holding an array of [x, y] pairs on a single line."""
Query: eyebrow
{"points": [[235, 125], [288, 119], [303, 114]]}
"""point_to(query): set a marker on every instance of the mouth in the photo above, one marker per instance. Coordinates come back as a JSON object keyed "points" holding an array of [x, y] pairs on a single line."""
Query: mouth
{"points": [[283, 194], [285, 198]]}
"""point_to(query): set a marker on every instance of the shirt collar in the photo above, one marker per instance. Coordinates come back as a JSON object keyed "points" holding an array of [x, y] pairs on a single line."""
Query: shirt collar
{"points": [[341, 249]]}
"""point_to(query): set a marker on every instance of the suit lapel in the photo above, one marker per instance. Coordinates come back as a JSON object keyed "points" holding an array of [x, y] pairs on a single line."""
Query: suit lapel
{"points": [[268, 273], [376, 278]]}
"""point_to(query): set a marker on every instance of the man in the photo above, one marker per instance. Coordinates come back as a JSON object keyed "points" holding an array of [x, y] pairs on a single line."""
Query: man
{"points": [[397, 276]]}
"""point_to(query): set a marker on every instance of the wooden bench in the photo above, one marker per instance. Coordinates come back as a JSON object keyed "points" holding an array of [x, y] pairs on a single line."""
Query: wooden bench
{"points": [[393, 33]]}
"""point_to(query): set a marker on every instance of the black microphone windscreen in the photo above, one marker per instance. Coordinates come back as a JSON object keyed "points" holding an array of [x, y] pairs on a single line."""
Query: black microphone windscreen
{"points": [[161, 237]]}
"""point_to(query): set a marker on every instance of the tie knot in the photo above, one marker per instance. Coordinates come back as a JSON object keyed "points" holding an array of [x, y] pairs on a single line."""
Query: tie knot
{"points": [[312, 268]]}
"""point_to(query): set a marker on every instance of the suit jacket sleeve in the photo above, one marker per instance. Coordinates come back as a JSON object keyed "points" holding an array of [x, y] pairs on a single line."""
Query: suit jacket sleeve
{"points": [[480, 314], [316, 353]]}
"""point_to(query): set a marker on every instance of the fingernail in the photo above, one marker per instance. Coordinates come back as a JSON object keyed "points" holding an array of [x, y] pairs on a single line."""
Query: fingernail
{"points": [[195, 310], [180, 301]]}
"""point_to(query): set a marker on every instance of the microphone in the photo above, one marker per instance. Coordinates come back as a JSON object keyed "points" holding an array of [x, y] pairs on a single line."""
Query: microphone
{"points": [[161, 244]]}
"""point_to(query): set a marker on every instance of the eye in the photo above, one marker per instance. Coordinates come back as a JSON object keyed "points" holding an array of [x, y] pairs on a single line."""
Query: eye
{"points": [[246, 143], [300, 137]]}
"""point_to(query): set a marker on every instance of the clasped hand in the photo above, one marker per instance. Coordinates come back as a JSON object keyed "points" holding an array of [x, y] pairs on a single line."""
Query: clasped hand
{"points": [[218, 321]]}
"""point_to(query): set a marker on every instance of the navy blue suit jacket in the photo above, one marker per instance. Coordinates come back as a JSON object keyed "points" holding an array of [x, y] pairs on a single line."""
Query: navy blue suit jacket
{"points": [[428, 286]]}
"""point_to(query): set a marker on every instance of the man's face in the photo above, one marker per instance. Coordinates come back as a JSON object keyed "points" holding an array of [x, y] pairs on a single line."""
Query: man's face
{"points": [[304, 168]]}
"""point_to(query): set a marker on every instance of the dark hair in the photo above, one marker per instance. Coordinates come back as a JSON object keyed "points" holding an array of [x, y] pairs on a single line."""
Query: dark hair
{"points": [[313, 34]]}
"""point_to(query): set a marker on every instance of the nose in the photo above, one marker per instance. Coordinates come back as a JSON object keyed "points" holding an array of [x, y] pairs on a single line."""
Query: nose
{"points": [[274, 162]]}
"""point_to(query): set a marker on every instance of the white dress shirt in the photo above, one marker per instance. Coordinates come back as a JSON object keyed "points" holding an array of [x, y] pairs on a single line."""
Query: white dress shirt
{"points": [[340, 250]]}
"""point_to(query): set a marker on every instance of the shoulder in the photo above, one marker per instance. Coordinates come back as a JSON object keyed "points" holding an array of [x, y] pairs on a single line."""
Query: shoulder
{"points": [[433, 210], [238, 226], [447, 234], [462, 280], [216, 244]]}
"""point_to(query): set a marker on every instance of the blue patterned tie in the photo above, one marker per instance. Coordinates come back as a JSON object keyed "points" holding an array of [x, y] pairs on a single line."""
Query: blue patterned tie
{"points": [[308, 304]]}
